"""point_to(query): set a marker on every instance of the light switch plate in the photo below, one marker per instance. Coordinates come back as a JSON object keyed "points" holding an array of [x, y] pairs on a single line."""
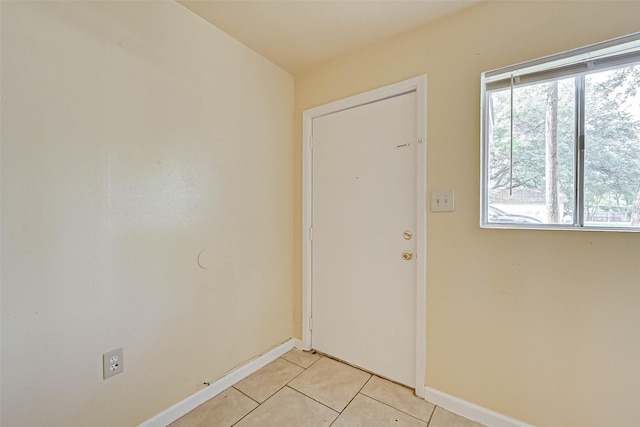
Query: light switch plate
{"points": [[442, 201]]}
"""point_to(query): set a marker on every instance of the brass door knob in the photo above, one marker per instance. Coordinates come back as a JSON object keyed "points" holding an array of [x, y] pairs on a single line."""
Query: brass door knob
{"points": [[407, 255]]}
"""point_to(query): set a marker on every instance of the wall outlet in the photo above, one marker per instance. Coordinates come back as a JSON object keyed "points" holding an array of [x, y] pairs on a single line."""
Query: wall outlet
{"points": [[112, 363], [442, 201]]}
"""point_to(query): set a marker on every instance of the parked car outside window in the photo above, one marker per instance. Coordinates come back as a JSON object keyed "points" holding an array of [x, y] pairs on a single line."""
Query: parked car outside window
{"points": [[499, 216]]}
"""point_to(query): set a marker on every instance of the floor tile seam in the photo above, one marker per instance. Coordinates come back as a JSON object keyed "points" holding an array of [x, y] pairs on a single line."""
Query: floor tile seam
{"points": [[315, 400], [259, 404], [245, 394], [294, 364], [334, 421], [344, 362], [398, 409], [357, 393], [432, 412], [271, 395], [302, 372], [305, 368], [247, 414], [280, 388]]}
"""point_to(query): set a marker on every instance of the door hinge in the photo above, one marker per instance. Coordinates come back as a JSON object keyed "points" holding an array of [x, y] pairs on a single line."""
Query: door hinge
{"points": [[311, 323], [310, 233], [311, 142]]}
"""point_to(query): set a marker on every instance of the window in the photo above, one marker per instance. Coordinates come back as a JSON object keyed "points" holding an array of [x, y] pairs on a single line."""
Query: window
{"points": [[561, 140]]}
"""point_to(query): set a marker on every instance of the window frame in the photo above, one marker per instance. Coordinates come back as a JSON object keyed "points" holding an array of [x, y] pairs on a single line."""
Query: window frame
{"points": [[609, 55]]}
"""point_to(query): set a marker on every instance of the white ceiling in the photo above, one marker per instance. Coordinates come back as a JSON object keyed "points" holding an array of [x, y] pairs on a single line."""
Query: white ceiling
{"points": [[299, 34]]}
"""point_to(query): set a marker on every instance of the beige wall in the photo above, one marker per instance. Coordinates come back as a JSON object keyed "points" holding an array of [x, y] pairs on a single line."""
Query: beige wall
{"points": [[134, 136], [538, 325]]}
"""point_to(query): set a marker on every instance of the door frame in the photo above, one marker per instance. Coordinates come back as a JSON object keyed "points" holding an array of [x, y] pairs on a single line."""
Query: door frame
{"points": [[419, 86]]}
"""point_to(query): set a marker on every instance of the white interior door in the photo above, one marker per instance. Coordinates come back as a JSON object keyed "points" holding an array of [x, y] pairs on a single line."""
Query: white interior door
{"points": [[363, 292]]}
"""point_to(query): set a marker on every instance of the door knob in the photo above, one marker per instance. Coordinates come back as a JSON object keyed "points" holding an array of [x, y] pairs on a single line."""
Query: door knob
{"points": [[407, 255]]}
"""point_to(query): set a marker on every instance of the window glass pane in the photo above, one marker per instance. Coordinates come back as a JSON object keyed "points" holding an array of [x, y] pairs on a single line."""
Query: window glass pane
{"points": [[543, 153], [612, 148]]}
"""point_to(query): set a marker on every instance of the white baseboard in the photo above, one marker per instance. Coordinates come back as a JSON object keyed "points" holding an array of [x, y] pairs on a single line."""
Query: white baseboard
{"points": [[168, 416], [470, 410]]}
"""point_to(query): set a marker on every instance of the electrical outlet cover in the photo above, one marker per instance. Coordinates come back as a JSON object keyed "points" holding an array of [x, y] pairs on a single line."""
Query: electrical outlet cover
{"points": [[112, 363]]}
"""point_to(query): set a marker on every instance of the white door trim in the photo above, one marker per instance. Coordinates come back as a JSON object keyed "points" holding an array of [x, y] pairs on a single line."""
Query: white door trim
{"points": [[419, 85]]}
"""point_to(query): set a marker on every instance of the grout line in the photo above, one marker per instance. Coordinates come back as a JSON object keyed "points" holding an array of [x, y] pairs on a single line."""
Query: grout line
{"points": [[357, 393], [275, 392], [322, 355], [432, 412], [293, 363], [250, 412], [334, 421], [244, 394], [397, 409], [317, 401], [303, 371], [375, 374], [280, 389], [312, 363], [347, 405], [260, 404]]}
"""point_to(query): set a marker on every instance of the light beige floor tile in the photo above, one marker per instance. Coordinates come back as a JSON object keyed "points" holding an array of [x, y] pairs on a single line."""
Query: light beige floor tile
{"points": [[222, 411], [265, 382], [444, 418], [289, 408], [366, 412], [399, 397], [301, 358], [331, 383]]}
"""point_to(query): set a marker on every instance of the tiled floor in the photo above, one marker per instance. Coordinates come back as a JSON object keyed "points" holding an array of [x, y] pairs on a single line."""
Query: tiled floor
{"points": [[302, 389]]}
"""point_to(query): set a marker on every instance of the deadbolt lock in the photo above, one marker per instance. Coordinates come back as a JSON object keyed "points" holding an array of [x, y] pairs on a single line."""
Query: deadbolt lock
{"points": [[407, 255], [407, 235]]}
